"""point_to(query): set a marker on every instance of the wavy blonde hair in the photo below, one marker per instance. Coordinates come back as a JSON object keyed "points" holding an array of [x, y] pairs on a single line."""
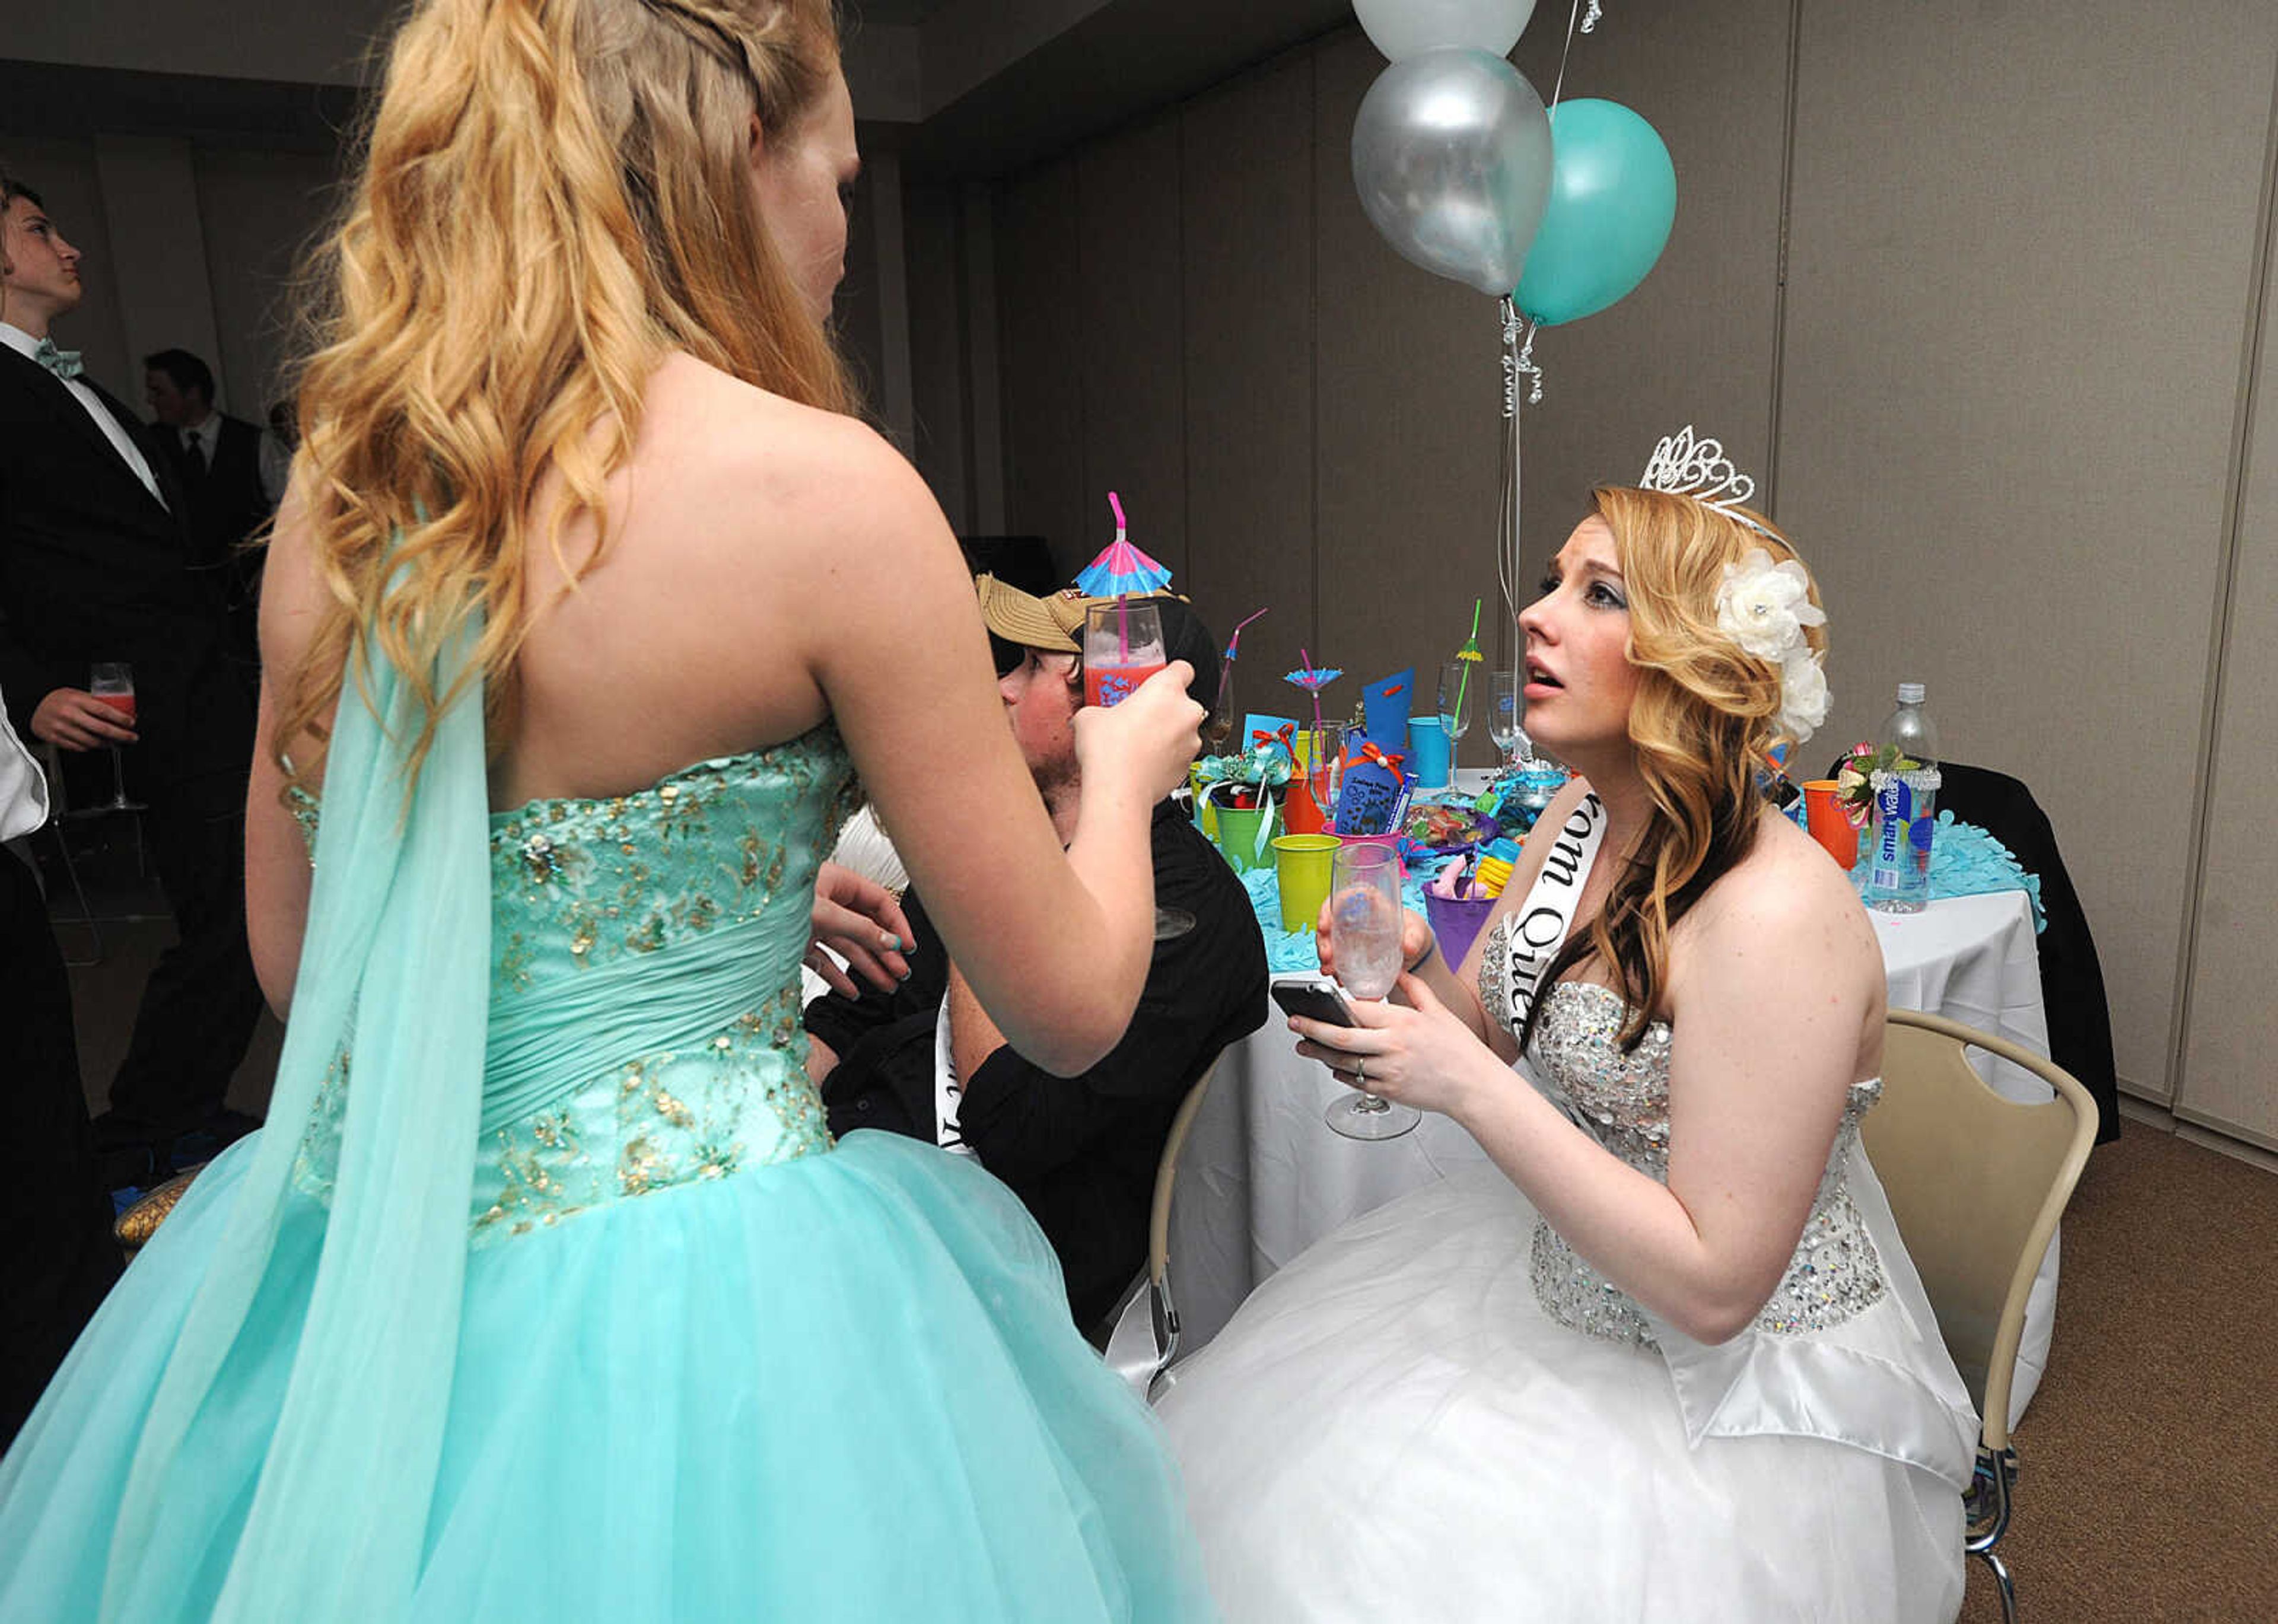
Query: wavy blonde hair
{"points": [[552, 195], [1703, 724]]}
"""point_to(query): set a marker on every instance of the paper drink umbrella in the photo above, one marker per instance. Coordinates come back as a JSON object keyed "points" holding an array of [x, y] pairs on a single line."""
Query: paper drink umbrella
{"points": [[1122, 570]]}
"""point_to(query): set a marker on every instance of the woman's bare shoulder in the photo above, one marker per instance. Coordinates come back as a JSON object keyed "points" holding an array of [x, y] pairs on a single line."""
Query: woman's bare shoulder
{"points": [[1788, 886]]}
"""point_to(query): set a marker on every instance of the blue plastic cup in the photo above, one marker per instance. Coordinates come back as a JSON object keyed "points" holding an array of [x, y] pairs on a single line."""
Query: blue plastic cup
{"points": [[1430, 758]]}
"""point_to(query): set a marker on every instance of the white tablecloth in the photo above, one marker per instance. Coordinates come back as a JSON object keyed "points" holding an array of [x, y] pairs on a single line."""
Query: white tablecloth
{"points": [[1263, 1177]]}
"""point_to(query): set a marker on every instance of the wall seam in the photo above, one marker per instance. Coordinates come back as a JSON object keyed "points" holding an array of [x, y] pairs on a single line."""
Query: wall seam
{"points": [[2242, 448], [1313, 358], [1779, 273]]}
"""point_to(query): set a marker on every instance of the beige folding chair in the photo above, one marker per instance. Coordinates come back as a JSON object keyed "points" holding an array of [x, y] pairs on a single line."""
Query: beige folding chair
{"points": [[1976, 1183], [1143, 1334]]}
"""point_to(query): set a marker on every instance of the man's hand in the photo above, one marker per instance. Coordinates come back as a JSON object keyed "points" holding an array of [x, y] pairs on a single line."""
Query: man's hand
{"points": [[862, 921], [73, 719]]}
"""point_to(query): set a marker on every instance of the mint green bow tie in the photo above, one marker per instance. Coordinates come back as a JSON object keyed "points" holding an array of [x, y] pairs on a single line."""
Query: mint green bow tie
{"points": [[65, 363]]}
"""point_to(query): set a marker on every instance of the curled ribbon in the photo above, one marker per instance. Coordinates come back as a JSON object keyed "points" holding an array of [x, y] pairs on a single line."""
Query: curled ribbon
{"points": [[1370, 752]]}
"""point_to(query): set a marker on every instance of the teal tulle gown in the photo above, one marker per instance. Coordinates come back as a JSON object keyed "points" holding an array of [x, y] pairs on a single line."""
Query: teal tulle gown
{"points": [[545, 1295]]}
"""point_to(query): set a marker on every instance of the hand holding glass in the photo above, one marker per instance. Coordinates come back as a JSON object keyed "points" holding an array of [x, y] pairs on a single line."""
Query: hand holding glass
{"points": [[1364, 922], [1122, 648]]}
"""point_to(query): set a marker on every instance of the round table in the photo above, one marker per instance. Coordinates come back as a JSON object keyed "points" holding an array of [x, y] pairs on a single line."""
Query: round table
{"points": [[1262, 1177]]}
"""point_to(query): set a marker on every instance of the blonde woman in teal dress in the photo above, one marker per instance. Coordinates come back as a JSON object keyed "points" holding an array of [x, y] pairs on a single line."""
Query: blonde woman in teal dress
{"points": [[544, 1294]]}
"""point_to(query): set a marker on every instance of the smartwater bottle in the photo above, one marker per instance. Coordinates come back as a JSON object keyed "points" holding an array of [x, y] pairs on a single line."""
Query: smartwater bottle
{"points": [[1906, 808]]}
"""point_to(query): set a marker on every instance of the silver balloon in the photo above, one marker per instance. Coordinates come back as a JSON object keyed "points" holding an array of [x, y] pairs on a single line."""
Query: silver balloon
{"points": [[1451, 155]]}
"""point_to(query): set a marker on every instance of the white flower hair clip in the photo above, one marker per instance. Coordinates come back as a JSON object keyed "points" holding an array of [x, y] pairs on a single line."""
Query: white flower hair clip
{"points": [[1763, 607]]}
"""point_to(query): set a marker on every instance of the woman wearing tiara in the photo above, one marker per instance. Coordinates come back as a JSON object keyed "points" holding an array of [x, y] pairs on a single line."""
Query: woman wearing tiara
{"points": [[544, 1294], [1662, 1356]]}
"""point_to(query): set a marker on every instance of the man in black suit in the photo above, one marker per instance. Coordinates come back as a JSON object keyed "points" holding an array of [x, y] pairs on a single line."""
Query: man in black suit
{"points": [[97, 564], [217, 460], [1081, 1152]]}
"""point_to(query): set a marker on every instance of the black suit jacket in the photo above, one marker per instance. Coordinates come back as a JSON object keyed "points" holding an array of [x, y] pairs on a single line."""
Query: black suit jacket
{"points": [[225, 505], [93, 568], [1080, 1152]]}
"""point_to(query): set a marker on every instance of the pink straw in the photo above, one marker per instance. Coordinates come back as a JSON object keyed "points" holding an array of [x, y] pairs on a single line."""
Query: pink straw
{"points": [[1116, 503]]}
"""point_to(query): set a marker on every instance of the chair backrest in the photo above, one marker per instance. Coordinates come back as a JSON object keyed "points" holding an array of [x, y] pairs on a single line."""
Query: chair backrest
{"points": [[1978, 1184], [1166, 1175]]}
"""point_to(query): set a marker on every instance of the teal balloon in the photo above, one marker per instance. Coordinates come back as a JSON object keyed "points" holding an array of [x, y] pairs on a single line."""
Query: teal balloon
{"points": [[1613, 198]]}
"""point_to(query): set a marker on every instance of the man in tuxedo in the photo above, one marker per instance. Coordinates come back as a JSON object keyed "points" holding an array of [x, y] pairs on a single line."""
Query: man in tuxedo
{"points": [[97, 563], [220, 464]]}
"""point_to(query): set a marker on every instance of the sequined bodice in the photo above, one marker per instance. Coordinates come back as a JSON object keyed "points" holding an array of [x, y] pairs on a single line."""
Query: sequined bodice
{"points": [[645, 1026], [1624, 1097]]}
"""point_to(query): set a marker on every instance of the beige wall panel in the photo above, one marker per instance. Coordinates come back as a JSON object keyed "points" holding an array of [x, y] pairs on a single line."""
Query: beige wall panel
{"points": [[1409, 389], [1248, 194], [262, 211], [2230, 1076], [2021, 258], [1694, 342], [939, 383], [63, 172], [1040, 328], [1132, 352]]}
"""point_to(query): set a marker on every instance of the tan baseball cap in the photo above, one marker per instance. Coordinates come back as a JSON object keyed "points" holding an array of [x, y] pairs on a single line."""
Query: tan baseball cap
{"points": [[1054, 622]]}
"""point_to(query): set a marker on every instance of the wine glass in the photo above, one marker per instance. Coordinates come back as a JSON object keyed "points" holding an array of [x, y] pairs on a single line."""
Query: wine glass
{"points": [[1325, 774], [1459, 697], [1364, 919], [1502, 716], [1218, 727], [112, 683]]}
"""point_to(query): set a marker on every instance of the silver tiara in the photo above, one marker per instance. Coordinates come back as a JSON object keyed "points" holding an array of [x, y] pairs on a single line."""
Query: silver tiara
{"points": [[1687, 464]]}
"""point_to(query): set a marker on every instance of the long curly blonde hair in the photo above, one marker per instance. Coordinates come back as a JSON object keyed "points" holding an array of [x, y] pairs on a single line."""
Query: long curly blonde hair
{"points": [[553, 195], [1703, 725]]}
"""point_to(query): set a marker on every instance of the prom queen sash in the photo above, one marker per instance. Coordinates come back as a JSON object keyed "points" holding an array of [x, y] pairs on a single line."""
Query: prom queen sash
{"points": [[948, 1091], [1531, 938]]}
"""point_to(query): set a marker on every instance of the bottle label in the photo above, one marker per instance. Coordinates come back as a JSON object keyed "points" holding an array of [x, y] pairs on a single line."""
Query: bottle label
{"points": [[1904, 830]]}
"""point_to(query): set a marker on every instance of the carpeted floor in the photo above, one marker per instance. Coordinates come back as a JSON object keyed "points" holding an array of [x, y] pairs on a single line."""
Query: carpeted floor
{"points": [[2148, 1487]]}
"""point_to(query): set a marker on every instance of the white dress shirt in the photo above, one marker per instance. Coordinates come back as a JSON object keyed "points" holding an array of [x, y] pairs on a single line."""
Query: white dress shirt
{"points": [[23, 787], [24, 345]]}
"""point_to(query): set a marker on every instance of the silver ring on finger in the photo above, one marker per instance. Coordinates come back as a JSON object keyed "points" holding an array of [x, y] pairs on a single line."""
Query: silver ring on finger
{"points": [[1360, 1069]]}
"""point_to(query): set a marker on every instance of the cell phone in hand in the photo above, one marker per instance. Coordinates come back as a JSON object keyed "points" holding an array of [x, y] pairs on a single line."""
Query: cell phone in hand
{"points": [[1316, 997]]}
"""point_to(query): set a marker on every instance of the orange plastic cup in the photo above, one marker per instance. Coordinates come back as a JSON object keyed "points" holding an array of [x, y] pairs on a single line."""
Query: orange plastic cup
{"points": [[1824, 817]]}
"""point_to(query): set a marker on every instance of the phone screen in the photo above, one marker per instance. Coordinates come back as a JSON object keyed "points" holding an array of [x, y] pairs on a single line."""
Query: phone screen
{"points": [[1314, 1000]]}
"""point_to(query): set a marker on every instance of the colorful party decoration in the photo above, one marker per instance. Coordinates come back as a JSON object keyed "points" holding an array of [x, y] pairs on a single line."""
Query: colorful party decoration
{"points": [[1122, 570]]}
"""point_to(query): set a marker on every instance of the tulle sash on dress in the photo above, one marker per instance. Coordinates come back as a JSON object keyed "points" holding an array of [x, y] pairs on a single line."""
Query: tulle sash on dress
{"points": [[398, 941]]}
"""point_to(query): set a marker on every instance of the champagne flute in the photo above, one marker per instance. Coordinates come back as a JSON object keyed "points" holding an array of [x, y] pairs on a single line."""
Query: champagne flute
{"points": [[1502, 716], [1218, 727], [1459, 697], [1364, 919], [1325, 774], [112, 683]]}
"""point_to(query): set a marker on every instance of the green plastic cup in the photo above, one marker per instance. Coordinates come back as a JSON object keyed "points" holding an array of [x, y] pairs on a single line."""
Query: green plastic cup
{"points": [[1238, 828], [1302, 864]]}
